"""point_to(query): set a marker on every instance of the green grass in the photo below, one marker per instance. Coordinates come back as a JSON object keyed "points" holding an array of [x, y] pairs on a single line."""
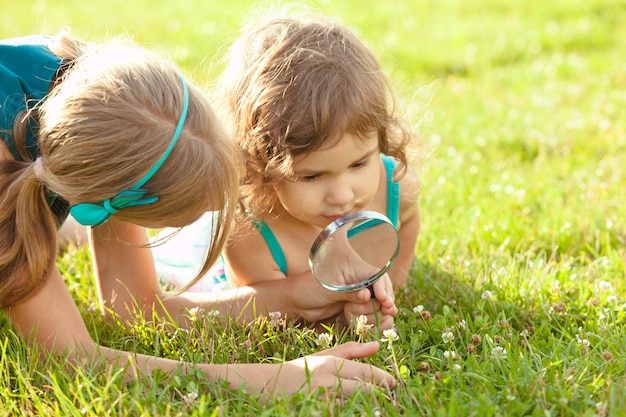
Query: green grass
{"points": [[521, 107]]}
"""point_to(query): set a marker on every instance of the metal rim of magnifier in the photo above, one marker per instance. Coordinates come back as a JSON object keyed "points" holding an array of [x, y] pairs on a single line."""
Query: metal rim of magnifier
{"points": [[333, 227]]}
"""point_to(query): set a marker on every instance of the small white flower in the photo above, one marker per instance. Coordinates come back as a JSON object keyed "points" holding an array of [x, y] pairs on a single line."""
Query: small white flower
{"points": [[450, 354], [195, 314], [487, 295], [389, 335], [189, 398], [276, 319], [418, 309], [499, 352], [213, 313], [462, 324], [361, 325], [456, 367], [611, 299], [447, 337], [275, 314], [324, 340], [583, 342]]}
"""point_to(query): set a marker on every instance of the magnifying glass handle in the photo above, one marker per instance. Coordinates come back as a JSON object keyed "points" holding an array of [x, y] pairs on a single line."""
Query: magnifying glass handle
{"points": [[371, 288]]}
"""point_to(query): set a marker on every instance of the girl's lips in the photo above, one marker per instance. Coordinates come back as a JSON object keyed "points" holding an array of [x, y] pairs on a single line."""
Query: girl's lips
{"points": [[333, 218]]}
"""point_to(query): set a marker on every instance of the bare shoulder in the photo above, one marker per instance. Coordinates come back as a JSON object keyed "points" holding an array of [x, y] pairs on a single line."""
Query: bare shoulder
{"points": [[243, 238], [247, 256]]}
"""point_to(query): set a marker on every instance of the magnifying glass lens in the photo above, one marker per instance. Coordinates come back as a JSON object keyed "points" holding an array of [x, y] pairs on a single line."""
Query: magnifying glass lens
{"points": [[354, 251]]}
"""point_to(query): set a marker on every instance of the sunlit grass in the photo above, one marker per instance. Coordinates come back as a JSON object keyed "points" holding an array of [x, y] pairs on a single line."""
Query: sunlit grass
{"points": [[517, 302]]}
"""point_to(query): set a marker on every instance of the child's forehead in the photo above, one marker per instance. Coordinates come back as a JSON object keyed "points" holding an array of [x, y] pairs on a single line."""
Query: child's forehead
{"points": [[354, 145], [360, 139]]}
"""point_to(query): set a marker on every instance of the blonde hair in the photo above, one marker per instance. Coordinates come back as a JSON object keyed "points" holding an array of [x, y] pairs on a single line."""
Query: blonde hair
{"points": [[291, 83], [102, 128]]}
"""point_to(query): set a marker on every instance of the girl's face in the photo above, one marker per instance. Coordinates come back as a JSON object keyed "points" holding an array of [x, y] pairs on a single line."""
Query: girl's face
{"points": [[333, 181]]}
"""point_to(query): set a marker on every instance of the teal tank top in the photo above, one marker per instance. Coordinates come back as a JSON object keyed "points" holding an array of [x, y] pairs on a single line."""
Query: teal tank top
{"points": [[27, 68], [393, 212]]}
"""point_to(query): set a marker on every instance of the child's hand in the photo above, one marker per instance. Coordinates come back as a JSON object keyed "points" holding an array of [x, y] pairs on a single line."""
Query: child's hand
{"points": [[332, 369], [383, 290], [379, 310], [371, 310]]}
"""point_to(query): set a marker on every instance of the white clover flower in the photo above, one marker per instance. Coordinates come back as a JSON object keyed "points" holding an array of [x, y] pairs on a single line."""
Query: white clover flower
{"points": [[189, 398], [456, 367], [462, 324], [499, 352], [611, 299], [447, 336], [450, 354], [487, 295], [276, 319], [195, 314], [583, 342], [361, 325], [324, 340], [418, 309], [390, 336]]}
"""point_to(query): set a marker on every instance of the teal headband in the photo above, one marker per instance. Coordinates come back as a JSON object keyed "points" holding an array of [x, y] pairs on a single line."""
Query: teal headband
{"points": [[94, 214]]}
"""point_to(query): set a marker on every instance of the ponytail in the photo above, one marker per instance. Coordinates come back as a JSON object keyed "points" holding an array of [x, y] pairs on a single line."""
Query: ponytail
{"points": [[28, 227], [27, 233]]}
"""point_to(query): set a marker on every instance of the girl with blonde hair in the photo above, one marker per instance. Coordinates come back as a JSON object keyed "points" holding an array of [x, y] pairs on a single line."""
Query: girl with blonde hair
{"points": [[113, 135]]}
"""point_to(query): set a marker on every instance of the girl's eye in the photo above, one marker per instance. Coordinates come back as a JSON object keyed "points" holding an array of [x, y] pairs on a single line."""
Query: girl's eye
{"points": [[360, 164], [308, 178]]}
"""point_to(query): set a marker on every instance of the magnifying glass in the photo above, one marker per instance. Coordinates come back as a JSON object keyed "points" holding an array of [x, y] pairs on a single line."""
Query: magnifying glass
{"points": [[354, 251]]}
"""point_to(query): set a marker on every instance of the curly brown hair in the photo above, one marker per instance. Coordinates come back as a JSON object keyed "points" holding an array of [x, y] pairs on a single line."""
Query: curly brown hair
{"points": [[290, 84]]}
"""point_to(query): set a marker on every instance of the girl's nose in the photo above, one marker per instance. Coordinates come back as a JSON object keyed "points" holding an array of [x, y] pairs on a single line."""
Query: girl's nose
{"points": [[340, 193]]}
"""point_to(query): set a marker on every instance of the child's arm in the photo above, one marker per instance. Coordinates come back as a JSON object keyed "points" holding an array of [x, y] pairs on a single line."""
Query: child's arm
{"points": [[124, 268], [127, 279], [51, 319]]}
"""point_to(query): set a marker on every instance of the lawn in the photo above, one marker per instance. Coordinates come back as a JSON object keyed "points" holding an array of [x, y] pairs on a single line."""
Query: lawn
{"points": [[516, 306]]}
